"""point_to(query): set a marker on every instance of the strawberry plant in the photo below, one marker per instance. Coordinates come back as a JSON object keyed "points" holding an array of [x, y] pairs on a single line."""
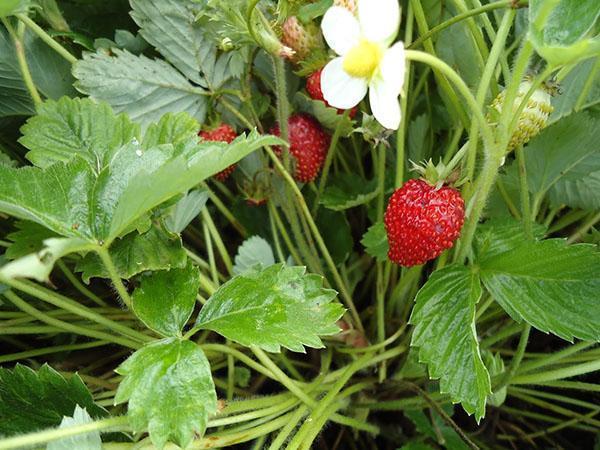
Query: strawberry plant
{"points": [[294, 224]]}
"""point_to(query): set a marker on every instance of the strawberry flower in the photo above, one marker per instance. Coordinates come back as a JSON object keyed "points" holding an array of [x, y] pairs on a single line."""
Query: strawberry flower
{"points": [[366, 60]]}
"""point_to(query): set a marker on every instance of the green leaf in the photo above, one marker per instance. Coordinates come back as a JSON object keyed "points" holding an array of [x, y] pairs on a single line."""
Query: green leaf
{"points": [[346, 191], [136, 253], [336, 232], [28, 238], [170, 390], [164, 301], [171, 27], [495, 366], [254, 251], [273, 307], [39, 265], [498, 236], [76, 127], [573, 86], [564, 159], [553, 286], [172, 128], [14, 97], [144, 88], [328, 117], [86, 441], [456, 45], [12, 7], [34, 400], [311, 11], [73, 201], [436, 431], [417, 138], [444, 320], [181, 214], [560, 29], [375, 242]]}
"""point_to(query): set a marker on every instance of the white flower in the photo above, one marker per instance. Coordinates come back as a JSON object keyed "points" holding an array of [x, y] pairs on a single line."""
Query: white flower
{"points": [[366, 59]]}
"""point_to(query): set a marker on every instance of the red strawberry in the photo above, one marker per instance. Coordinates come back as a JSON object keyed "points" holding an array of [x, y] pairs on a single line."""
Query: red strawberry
{"points": [[422, 221], [313, 87], [308, 145], [223, 133]]}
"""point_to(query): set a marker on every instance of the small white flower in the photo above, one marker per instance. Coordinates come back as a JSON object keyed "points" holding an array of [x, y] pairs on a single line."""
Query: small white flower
{"points": [[366, 59]]}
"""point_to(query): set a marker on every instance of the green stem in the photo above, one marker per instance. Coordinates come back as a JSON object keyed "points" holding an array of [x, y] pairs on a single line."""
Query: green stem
{"points": [[558, 374], [517, 358], [283, 107], [441, 67], [218, 241], [482, 90], [328, 159], [50, 350], [79, 285], [83, 331], [114, 275], [67, 304], [584, 228], [524, 190], [46, 38], [421, 20], [41, 437]]}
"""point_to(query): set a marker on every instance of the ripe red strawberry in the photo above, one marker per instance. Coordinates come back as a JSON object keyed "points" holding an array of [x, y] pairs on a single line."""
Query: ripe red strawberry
{"points": [[422, 221], [308, 145], [302, 38], [313, 87], [223, 133]]}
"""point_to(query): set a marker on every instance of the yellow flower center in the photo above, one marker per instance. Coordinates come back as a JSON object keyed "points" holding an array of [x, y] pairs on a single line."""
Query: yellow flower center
{"points": [[362, 60]]}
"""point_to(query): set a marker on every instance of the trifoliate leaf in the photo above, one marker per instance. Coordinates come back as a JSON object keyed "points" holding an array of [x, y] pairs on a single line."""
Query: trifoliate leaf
{"points": [[39, 265], [74, 201], [444, 320], [171, 27], [165, 299], [254, 251], [278, 306], [170, 390], [86, 441], [553, 286], [136, 253], [375, 242], [564, 160], [73, 127], [144, 88], [29, 238], [181, 214], [346, 191], [33, 400]]}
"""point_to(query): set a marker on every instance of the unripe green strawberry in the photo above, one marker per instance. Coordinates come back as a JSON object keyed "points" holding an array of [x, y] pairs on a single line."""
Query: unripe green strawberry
{"points": [[300, 37], [534, 116]]}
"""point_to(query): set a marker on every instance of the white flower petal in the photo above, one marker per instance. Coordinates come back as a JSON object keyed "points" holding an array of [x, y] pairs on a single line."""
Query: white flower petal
{"points": [[393, 66], [340, 89], [340, 29], [379, 19], [384, 104]]}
